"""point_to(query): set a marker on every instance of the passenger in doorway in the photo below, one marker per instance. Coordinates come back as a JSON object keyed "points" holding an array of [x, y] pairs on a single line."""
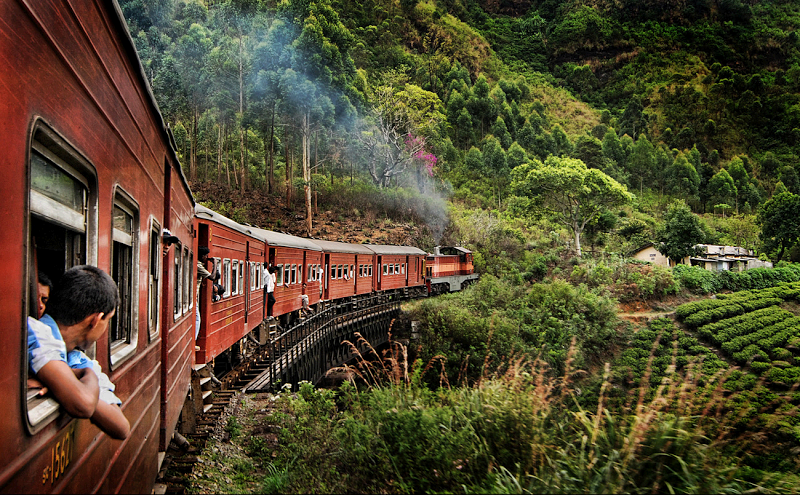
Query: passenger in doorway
{"points": [[45, 286], [202, 273], [80, 308], [271, 280]]}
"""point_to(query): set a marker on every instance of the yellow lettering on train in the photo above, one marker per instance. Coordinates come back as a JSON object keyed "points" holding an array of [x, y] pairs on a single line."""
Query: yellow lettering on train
{"points": [[60, 457]]}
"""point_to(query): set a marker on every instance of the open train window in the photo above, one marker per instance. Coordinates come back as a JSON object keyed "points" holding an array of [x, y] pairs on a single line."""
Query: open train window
{"points": [[176, 291], [242, 287], [234, 277], [279, 275], [124, 270], [386, 269], [62, 233], [226, 274], [294, 274], [188, 297], [153, 278]]}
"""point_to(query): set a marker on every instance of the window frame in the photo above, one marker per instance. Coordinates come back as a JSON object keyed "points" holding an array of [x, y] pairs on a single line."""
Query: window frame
{"points": [[178, 275], [121, 350], [278, 275], [41, 411], [226, 272], [154, 282]]}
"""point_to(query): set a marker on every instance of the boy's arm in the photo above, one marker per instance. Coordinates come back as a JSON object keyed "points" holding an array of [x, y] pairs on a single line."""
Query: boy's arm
{"points": [[110, 419], [76, 390]]}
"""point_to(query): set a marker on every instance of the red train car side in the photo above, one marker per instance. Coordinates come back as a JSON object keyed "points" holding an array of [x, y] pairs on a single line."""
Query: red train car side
{"points": [[292, 256], [90, 176], [398, 267], [345, 276], [238, 255]]}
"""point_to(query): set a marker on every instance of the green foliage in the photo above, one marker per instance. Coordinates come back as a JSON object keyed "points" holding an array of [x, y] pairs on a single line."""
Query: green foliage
{"points": [[680, 232], [494, 318]]}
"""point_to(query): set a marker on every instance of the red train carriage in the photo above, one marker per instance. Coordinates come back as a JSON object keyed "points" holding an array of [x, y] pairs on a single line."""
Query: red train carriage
{"points": [[449, 269], [349, 269], [299, 264], [398, 267], [239, 257], [90, 176]]}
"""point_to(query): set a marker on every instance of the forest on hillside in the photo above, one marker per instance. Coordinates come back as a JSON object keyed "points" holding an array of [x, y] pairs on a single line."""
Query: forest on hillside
{"points": [[691, 100], [553, 139]]}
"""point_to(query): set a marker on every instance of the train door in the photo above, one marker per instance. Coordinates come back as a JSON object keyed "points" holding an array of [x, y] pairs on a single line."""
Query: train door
{"points": [[380, 268], [247, 274], [203, 240], [271, 258], [327, 276]]}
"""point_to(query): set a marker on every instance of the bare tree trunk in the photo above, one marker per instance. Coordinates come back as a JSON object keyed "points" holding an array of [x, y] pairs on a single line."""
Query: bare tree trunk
{"points": [[219, 150], [307, 169], [227, 159], [271, 173], [241, 159], [193, 147], [288, 149], [245, 174]]}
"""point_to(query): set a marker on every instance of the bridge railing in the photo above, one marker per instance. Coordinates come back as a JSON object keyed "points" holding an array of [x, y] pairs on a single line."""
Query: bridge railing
{"points": [[315, 344]]}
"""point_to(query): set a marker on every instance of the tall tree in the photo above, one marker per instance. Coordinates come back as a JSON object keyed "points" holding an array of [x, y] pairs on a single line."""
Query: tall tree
{"points": [[680, 232], [780, 223], [566, 187]]}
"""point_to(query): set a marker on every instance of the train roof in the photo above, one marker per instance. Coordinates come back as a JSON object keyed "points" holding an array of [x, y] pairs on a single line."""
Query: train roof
{"points": [[285, 240], [202, 212], [342, 247], [396, 250]]}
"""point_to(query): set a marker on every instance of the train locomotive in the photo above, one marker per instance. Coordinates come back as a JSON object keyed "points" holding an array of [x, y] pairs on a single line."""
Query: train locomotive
{"points": [[92, 177]]}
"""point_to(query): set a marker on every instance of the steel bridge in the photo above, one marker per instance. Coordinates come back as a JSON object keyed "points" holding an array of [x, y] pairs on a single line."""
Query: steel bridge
{"points": [[315, 344]]}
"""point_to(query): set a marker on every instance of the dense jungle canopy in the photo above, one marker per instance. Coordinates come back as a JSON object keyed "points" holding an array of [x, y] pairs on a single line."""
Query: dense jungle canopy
{"points": [[696, 100]]}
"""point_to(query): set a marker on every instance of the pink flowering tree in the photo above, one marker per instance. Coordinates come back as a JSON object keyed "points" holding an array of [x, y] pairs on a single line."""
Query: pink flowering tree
{"points": [[394, 140]]}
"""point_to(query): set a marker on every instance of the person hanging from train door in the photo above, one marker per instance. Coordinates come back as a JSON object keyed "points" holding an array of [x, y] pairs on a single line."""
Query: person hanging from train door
{"points": [[202, 273], [79, 310], [271, 279]]}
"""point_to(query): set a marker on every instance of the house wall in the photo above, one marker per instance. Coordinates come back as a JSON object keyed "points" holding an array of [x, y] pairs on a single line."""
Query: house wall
{"points": [[650, 254]]}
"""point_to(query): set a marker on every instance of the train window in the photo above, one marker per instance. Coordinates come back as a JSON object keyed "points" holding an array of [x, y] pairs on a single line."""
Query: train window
{"points": [[279, 275], [294, 274], [242, 288], [252, 276], [403, 268], [154, 277], [310, 273], [176, 306], [62, 202], [287, 275], [226, 274], [369, 270], [352, 271], [397, 267], [339, 271], [124, 271], [385, 269], [391, 269], [234, 277], [187, 282], [300, 274]]}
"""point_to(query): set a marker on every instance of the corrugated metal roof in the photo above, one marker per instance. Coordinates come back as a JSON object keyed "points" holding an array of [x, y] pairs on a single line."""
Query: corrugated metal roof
{"points": [[395, 250], [342, 247], [202, 212], [285, 240]]}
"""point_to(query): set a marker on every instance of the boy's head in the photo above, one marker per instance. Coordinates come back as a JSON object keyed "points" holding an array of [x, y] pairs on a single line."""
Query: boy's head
{"points": [[45, 286], [82, 291], [202, 253]]}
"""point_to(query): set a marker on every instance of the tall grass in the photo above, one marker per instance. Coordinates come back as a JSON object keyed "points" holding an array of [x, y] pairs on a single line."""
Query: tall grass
{"points": [[517, 430]]}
